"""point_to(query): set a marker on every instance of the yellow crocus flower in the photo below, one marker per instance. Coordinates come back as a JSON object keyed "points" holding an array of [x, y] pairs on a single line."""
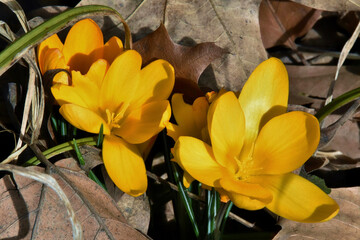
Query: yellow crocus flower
{"points": [[255, 146], [115, 92], [84, 44]]}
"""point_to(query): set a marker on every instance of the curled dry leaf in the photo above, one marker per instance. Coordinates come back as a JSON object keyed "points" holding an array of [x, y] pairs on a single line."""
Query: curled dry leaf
{"points": [[231, 24], [345, 226], [31, 210], [282, 22], [188, 62], [332, 5]]}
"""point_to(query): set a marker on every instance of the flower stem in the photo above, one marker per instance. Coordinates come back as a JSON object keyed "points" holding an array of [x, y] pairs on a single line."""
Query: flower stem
{"points": [[175, 176], [67, 146], [337, 103]]}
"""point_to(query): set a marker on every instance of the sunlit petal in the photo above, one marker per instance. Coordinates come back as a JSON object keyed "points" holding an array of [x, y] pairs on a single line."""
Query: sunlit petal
{"points": [[121, 81], [297, 199], [264, 96], [196, 157], [97, 72], [187, 179], [144, 122], [252, 190], [125, 166], [83, 118], [157, 82], [244, 202], [112, 49], [286, 142], [226, 125], [83, 45], [53, 59], [49, 43]]}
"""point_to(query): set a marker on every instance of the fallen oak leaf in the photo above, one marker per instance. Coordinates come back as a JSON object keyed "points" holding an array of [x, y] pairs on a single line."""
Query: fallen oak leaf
{"points": [[31, 210], [282, 22], [188, 62]]}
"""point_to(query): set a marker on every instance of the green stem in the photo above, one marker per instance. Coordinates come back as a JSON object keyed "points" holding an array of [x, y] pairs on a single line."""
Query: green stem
{"points": [[175, 177], [337, 103], [67, 146]]}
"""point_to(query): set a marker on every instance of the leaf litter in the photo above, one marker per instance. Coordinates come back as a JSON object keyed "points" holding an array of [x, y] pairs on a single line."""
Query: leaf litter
{"points": [[214, 21]]}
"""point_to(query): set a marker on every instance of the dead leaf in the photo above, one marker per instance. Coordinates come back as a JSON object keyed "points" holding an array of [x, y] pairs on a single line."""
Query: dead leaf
{"points": [[282, 22], [136, 210], [332, 5], [232, 25], [188, 62], [31, 210], [345, 226], [331, 160]]}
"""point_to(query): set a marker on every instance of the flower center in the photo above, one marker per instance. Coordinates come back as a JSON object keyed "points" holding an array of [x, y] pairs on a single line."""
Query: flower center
{"points": [[114, 119]]}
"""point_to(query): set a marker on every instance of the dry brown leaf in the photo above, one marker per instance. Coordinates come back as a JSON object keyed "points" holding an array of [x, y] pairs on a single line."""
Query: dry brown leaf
{"points": [[345, 226], [188, 62], [30, 210], [282, 22], [332, 5], [232, 25]]}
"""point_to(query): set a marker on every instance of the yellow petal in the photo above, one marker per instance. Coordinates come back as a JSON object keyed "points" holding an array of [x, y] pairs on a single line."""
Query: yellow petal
{"points": [[184, 117], [196, 158], [83, 92], [83, 45], [62, 77], [97, 71], [297, 199], [125, 166], [187, 179], [121, 81], [200, 110], [242, 201], [157, 81], [53, 59], [252, 190], [83, 118], [246, 202], [226, 125], [143, 123], [49, 43], [112, 49], [286, 142], [264, 96]]}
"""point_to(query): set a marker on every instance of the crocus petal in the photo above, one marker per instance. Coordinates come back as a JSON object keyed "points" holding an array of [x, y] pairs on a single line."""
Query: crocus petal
{"points": [[297, 199], [157, 82], [184, 117], [125, 166], [245, 202], [197, 158], [264, 96], [121, 81], [81, 92], [112, 49], [286, 142], [83, 118], [80, 50], [200, 109], [97, 72], [226, 125], [187, 179], [49, 43], [143, 123], [53, 59], [244, 188]]}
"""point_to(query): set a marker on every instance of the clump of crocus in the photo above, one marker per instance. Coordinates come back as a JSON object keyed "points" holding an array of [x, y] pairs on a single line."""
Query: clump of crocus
{"points": [[255, 146], [129, 102]]}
